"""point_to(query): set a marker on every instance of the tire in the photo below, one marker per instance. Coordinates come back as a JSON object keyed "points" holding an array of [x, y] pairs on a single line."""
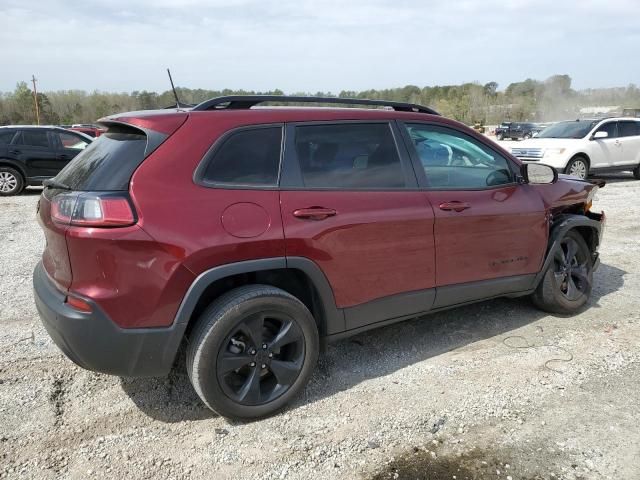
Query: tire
{"points": [[578, 167], [567, 283], [236, 344], [11, 182], [500, 136], [527, 136], [636, 173]]}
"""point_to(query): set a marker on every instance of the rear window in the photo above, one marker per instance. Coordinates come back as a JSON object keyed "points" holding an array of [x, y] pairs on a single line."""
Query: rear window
{"points": [[107, 163]]}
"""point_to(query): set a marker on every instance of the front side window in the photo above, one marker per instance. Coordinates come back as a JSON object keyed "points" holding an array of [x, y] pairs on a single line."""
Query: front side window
{"points": [[348, 156], [452, 160], [246, 157], [610, 128], [69, 140], [628, 128], [33, 138]]}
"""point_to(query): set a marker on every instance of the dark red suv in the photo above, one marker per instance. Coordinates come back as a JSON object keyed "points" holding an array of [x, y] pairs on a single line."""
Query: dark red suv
{"points": [[252, 235]]}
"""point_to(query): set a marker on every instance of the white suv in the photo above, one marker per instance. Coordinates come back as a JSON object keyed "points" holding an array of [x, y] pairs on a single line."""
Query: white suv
{"points": [[581, 147]]}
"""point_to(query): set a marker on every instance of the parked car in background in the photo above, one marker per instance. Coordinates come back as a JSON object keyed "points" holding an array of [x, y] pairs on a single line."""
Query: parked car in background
{"points": [[30, 154], [91, 130], [631, 112], [515, 130], [582, 147], [251, 235]]}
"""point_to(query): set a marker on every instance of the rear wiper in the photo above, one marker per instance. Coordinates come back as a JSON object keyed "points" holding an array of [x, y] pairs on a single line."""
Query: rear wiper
{"points": [[51, 183]]}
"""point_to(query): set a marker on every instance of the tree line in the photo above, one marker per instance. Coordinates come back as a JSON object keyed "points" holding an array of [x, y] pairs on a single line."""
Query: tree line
{"points": [[529, 100]]}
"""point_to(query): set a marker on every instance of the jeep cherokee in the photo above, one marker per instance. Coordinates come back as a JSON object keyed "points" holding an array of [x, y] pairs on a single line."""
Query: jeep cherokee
{"points": [[252, 235]]}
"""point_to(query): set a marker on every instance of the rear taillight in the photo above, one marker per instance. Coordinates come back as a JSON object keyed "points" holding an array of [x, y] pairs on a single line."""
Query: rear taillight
{"points": [[92, 209]]}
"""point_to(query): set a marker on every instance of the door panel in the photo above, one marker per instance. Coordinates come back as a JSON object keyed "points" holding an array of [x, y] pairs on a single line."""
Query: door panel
{"points": [[33, 148], [502, 233], [608, 151], [375, 245], [487, 226], [629, 137]]}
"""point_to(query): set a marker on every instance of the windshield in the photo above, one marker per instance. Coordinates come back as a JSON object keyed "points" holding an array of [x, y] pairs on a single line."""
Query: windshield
{"points": [[575, 129]]}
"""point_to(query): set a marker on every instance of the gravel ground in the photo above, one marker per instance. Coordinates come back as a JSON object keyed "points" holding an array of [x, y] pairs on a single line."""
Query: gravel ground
{"points": [[493, 390]]}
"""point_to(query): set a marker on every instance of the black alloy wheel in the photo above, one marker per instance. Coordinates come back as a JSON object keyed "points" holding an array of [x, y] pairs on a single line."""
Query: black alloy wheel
{"points": [[261, 358], [571, 269]]}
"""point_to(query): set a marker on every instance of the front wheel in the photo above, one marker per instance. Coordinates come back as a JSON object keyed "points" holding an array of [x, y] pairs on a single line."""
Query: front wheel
{"points": [[566, 285], [636, 173], [252, 351], [578, 167]]}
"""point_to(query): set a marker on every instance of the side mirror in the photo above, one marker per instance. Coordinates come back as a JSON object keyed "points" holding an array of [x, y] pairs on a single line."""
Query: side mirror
{"points": [[600, 134], [539, 173]]}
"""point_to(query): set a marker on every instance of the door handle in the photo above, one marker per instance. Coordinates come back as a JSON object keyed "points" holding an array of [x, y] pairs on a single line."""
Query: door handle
{"points": [[314, 213], [62, 157], [455, 205], [15, 152]]}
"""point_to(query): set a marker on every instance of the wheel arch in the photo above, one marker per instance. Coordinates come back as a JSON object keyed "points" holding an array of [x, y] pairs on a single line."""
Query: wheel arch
{"points": [[298, 276], [5, 162], [589, 228], [580, 154]]}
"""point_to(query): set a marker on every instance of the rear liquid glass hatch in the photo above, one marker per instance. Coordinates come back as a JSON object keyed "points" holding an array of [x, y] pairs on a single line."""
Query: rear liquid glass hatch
{"points": [[107, 164]]}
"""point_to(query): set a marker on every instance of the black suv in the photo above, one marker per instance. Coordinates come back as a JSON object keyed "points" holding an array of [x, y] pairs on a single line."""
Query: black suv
{"points": [[29, 155], [516, 131]]}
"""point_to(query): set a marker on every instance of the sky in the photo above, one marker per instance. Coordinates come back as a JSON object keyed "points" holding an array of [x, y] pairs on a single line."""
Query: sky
{"points": [[310, 46]]}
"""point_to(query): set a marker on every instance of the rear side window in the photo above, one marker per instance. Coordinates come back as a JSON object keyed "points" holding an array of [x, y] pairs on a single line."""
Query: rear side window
{"points": [[33, 138], [246, 157], [107, 163], [628, 128], [348, 156]]}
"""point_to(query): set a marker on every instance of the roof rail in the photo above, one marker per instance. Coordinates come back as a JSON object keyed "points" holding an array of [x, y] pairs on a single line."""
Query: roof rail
{"points": [[240, 102]]}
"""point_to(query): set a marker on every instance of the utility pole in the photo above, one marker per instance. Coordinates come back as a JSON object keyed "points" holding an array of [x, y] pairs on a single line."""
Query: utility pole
{"points": [[35, 98]]}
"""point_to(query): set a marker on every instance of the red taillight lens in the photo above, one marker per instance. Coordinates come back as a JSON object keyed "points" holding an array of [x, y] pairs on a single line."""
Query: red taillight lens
{"points": [[78, 304], [92, 210]]}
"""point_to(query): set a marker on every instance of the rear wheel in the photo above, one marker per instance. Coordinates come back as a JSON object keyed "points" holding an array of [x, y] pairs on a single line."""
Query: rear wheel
{"points": [[636, 173], [567, 283], [11, 181], [578, 167], [500, 136], [252, 351]]}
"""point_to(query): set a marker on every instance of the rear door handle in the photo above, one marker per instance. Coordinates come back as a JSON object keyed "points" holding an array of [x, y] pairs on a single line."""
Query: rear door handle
{"points": [[62, 157], [314, 213], [455, 206], [15, 152]]}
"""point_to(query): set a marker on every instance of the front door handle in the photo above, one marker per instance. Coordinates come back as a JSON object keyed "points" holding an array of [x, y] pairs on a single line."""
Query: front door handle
{"points": [[314, 213], [15, 152], [62, 157], [455, 206]]}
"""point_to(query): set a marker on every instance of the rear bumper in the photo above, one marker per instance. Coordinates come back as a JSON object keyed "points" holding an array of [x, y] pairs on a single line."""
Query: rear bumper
{"points": [[94, 342]]}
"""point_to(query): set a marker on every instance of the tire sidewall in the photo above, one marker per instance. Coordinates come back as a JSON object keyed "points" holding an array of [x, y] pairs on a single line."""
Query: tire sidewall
{"points": [[548, 295], [203, 371], [575, 160], [19, 182]]}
